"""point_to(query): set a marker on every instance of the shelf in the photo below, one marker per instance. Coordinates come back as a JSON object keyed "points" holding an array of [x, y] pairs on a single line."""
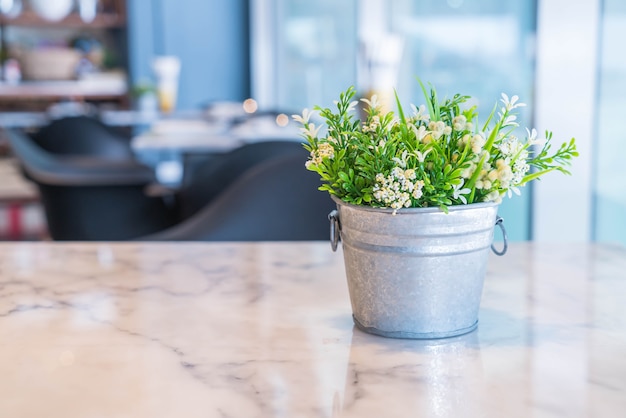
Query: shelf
{"points": [[31, 19], [105, 86], [63, 89]]}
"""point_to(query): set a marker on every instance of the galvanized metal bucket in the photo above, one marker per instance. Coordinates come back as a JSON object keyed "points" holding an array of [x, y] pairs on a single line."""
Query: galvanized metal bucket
{"points": [[416, 273]]}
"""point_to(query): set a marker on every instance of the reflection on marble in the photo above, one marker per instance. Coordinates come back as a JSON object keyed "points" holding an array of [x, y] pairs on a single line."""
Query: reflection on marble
{"points": [[264, 330]]}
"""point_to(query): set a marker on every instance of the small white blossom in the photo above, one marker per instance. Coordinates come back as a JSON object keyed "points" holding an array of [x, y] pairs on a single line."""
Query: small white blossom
{"points": [[533, 139], [304, 118], [419, 113], [372, 102], [310, 130], [510, 104], [420, 132], [421, 156], [510, 121], [459, 192]]}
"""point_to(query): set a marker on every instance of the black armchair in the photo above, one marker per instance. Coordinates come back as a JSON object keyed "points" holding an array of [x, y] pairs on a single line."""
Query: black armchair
{"points": [[91, 198], [207, 177], [83, 135], [275, 200]]}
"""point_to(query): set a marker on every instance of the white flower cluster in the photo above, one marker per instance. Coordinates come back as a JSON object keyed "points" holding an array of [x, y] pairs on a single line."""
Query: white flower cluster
{"points": [[438, 129], [477, 142], [395, 190], [489, 176], [324, 150], [515, 157], [373, 125]]}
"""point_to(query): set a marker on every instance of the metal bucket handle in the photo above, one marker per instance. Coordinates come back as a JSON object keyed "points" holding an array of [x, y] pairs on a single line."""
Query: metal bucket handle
{"points": [[335, 227], [500, 223]]}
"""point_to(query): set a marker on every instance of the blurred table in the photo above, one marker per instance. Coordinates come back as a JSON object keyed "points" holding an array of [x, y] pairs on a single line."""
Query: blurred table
{"points": [[265, 330], [166, 141]]}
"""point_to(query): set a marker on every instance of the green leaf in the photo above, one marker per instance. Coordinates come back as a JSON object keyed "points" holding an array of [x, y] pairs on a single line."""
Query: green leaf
{"points": [[429, 105], [400, 111]]}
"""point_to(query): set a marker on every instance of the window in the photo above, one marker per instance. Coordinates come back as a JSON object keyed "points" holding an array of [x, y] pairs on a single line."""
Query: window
{"points": [[314, 50]]}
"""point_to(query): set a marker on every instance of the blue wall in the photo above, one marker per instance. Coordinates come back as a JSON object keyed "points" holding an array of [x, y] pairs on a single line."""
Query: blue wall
{"points": [[211, 37]]}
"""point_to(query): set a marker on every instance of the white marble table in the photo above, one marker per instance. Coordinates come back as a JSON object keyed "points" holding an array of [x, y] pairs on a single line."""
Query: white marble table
{"points": [[265, 330]]}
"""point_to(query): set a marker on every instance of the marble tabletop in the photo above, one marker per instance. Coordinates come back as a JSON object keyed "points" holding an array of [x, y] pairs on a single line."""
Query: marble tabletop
{"points": [[265, 330]]}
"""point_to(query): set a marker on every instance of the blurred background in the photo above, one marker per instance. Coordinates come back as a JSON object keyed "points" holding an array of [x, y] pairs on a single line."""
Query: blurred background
{"points": [[563, 59]]}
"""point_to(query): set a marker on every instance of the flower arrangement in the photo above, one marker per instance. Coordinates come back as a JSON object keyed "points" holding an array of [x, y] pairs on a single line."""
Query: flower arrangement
{"points": [[439, 155]]}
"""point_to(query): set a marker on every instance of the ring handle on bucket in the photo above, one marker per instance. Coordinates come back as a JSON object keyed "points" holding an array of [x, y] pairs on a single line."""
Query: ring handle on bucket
{"points": [[500, 223], [334, 229]]}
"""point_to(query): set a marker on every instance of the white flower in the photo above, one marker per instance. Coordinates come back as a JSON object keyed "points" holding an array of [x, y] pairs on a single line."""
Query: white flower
{"points": [[510, 121], [419, 113], [399, 161], [420, 132], [421, 156], [510, 104], [532, 135], [304, 119], [533, 139], [352, 105], [459, 191], [372, 102], [514, 190], [310, 130]]}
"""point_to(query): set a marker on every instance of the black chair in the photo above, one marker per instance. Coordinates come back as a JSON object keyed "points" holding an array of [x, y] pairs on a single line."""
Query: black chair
{"points": [[206, 176], [89, 198], [275, 200], [83, 135]]}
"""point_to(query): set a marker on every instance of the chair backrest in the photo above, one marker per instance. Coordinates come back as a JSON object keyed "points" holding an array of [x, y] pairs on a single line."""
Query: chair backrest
{"points": [[206, 179], [276, 200], [83, 135], [85, 198]]}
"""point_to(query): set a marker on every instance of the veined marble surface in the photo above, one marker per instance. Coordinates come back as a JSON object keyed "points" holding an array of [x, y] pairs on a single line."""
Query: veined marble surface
{"points": [[265, 330]]}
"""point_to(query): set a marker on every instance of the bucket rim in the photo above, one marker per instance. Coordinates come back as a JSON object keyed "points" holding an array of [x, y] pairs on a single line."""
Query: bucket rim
{"points": [[406, 211]]}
